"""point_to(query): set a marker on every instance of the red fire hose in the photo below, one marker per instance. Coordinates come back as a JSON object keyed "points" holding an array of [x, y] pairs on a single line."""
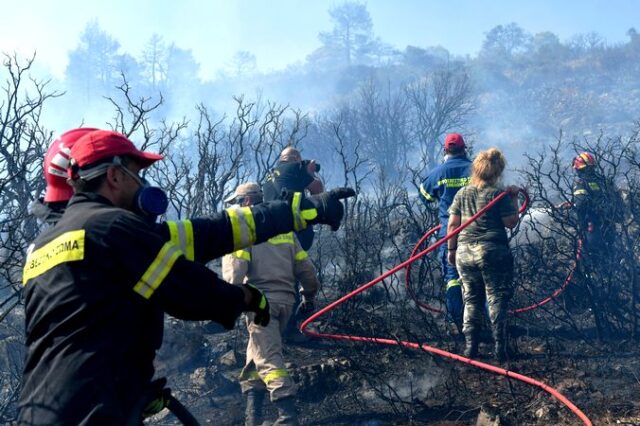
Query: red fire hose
{"points": [[558, 291], [425, 347], [407, 276], [535, 305]]}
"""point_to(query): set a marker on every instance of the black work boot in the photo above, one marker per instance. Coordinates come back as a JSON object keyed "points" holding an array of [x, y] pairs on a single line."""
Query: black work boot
{"points": [[287, 414], [253, 412], [501, 351], [471, 346], [500, 338]]}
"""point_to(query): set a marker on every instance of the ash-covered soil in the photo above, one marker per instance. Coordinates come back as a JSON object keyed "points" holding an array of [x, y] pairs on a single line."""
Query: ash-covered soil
{"points": [[365, 384]]}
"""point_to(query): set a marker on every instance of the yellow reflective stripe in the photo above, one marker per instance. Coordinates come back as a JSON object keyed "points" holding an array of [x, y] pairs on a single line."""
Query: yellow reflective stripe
{"points": [[453, 283], [309, 214], [191, 245], [282, 239], [242, 254], [580, 192], [425, 194], [301, 255], [173, 232], [250, 223], [298, 221], [243, 226], [300, 217], [271, 376], [68, 247], [158, 270], [275, 374], [249, 375], [594, 186], [181, 234], [455, 182], [235, 226]]}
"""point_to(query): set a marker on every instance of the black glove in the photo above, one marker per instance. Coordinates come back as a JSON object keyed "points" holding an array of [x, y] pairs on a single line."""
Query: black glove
{"points": [[305, 308], [157, 398], [324, 208], [258, 304]]}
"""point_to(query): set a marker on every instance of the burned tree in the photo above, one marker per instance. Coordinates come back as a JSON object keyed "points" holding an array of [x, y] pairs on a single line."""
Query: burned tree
{"points": [[604, 285], [23, 142], [439, 103]]}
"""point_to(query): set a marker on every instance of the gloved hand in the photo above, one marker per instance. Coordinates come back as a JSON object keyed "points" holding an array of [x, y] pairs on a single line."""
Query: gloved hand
{"points": [[305, 308], [512, 190], [258, 304], [157, 396], [324, 208]]}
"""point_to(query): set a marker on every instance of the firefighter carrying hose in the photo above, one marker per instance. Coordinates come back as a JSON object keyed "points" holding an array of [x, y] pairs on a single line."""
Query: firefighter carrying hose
{"points": [[274, 267], [97, 284], [441, 185], [593, 201], [598, 206], [481, 250]]}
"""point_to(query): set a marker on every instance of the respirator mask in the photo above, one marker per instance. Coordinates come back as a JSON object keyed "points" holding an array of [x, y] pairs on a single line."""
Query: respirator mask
{"points": [[149, 201]]}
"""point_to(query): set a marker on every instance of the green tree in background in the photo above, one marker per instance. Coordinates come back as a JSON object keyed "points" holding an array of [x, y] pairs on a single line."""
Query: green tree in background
{"points": [[505, 41], [351, 39]]}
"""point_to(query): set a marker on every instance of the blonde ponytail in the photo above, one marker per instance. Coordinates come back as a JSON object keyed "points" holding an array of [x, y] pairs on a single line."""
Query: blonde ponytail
{"points": [[487, 167]]}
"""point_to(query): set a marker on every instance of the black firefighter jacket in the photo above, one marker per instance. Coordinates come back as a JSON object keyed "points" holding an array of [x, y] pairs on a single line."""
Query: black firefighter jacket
{"points": [[96, 289]]}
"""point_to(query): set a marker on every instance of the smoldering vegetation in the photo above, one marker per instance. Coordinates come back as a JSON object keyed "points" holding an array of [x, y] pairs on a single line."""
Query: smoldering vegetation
{"points": [[374, 118]]}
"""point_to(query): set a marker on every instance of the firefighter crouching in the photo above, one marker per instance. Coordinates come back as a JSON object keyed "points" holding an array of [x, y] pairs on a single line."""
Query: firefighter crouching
{"points": [[98, 283], [273, 267]]}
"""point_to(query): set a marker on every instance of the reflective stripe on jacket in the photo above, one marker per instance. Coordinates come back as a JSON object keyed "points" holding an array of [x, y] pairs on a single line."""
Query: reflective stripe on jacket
{"points": [[273, 267], [444, 182], [96, 289]]}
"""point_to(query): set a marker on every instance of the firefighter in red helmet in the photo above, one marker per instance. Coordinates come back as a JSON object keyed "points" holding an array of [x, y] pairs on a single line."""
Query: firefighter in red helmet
{"points": [[590, 202], [58, 192], [97, 284], [441, 185], [598, 207]]}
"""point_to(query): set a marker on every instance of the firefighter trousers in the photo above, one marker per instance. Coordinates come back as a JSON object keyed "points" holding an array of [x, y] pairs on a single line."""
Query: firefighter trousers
{"points": [[264, 367], [453, 289]]}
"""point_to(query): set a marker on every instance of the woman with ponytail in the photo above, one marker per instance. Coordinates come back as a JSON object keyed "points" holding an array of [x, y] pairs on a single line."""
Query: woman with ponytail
{"points": [[481, 251]]}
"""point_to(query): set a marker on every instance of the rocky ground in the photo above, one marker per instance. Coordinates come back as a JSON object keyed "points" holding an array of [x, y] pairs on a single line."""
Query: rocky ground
{"points": [[347, 384]]}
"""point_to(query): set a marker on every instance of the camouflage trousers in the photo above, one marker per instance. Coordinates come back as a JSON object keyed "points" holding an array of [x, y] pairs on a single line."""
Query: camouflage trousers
{"points": [[264, 367], [486, 270]]}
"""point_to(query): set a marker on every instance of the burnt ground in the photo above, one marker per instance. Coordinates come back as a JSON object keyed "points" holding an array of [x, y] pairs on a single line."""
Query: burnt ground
{"points": [[364, 384]]}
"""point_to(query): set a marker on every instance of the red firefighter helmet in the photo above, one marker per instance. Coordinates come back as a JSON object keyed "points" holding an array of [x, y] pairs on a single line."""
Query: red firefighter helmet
{"points": [[584, 159], [454, 141], [56, 162]]}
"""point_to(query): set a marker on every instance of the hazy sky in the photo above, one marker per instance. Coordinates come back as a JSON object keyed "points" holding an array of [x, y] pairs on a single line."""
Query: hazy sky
{"points": [[280, 32]]}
